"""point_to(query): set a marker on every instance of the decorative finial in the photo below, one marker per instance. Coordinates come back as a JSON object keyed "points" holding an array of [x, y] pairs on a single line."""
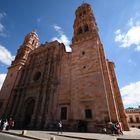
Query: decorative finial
{"points": [[83, 1]]}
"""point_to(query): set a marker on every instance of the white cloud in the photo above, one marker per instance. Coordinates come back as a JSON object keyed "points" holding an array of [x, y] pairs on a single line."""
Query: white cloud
{"points": [[2, 28], [5, 56], [57, 28], [62, 37], [137, 48], [131, 22], [3, 14], [119, 36], [131, 37], [131, 62], [131, 94], [2, 77]]}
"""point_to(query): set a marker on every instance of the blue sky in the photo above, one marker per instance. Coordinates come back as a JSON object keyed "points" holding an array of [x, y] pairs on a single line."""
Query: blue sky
{"points": [[119, 29]]}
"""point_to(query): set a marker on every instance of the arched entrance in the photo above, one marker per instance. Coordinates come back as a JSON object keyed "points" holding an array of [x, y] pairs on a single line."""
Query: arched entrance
{"points": [[29, 109]]}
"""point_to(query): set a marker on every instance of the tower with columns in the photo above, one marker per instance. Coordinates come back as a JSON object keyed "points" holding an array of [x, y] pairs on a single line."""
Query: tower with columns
{"points": [[49, 84], [94, 90], [31, 42]]}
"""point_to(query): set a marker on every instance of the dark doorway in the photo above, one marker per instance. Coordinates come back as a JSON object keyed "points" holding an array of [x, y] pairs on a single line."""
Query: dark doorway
{"points": [[63, 113], [29, 108]]}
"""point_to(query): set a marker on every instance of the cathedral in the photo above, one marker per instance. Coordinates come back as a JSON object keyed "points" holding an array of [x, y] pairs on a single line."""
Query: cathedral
{"points": [[45, 84]]}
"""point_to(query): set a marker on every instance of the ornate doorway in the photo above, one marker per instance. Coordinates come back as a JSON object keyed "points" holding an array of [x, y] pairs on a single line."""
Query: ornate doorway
{"points": [[29, 109]]}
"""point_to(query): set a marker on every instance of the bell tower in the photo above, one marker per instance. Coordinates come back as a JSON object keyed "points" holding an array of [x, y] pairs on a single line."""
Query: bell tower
{"points": [[85, 26], [93, 97], [31, 42]]}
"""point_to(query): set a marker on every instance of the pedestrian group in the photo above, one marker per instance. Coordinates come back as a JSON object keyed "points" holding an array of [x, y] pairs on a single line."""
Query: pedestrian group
{"points": [[6, 124]]}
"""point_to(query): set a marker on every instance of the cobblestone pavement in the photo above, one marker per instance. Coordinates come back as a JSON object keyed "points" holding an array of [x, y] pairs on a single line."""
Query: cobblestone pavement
{"points": [[48, 135]]}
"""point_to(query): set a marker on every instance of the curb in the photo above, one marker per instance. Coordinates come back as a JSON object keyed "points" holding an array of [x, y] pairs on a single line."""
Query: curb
{"points": [[126, 139], [20, 135]]}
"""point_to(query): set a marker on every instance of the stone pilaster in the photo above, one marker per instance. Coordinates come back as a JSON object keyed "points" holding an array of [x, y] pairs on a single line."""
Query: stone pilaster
{"points": [[118, 99]]}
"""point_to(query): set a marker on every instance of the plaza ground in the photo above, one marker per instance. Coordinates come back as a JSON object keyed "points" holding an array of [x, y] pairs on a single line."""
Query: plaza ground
{"points": [[133, 134]]}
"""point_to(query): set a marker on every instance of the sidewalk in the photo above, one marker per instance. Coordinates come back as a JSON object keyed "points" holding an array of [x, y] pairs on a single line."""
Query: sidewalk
{"points": [[48, 135]]}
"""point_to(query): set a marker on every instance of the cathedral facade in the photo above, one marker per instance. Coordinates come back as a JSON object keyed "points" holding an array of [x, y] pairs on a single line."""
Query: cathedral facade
{"points": [[45, 83]]}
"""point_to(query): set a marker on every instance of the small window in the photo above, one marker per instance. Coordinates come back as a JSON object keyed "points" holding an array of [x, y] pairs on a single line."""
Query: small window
{"points": [[137, 119], [37, 76], [86, 29], [88, 113], [63, 113], [84, 67], [83, 53], [80, 31], [131, 120]]}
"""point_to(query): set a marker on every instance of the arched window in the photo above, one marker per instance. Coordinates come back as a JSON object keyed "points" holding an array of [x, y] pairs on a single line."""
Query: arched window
{"points": [[84, 13], [86, 29], [33, 42], [79, 30]]}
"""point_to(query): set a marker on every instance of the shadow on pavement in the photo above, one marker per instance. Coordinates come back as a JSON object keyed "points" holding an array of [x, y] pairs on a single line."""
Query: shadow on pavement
{"points": [[72, 136]]}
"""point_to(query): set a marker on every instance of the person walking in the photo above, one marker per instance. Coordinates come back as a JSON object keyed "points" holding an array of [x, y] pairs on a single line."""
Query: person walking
{"points": [[5, 125], [0, 121], [119, 127], [114, 129], [11, 123], [60, 127]]}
